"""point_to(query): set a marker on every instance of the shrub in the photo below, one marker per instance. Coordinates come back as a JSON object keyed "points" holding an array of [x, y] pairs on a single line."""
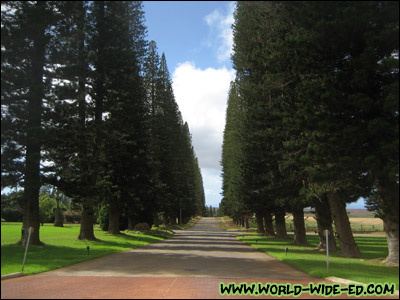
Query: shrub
{"points": [[103, 218], [46, 208], [12, 214], [142, 227]]}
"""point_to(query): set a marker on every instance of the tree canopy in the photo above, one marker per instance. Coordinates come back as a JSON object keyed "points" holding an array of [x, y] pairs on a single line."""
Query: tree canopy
{"points": [[88, 107], [313, 113]]}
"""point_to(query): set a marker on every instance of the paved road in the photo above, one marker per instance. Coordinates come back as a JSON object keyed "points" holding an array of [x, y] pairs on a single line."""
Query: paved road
{"points": [[202, 251], [189, 265]]}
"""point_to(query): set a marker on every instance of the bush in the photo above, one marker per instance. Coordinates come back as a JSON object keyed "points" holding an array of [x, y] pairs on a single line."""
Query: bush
{"points": [[103, 218], [46, 208], [142, 227], [12, 214], [12, 206], [72, 217], [12, 200]]}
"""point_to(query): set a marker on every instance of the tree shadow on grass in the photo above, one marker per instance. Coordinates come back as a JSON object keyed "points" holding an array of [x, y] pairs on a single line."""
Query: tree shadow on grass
{"points": [[45, 258], [50, 256]]}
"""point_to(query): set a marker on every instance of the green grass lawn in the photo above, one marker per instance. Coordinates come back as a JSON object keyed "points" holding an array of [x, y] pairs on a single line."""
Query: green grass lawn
{"points": [[313, 262], [62, 247]]}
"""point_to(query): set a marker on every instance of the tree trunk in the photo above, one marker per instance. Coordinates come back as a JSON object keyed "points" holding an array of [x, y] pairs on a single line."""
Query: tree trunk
{"points": [[165, 219], [31, 218], [131, 224], [324, 221], [299, 229], [114, 217], [156, 220], [34, 136], [280, 222], [58, 217], [87, 215], [347, 243], [88, 172], [391, 227], [172, 220], [260, 223], [389, 203], [269, 227], [31, 196], [246, 222]]}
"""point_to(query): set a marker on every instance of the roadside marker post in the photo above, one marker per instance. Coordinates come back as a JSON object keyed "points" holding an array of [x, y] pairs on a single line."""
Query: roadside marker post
{"points": [[327, 250], [26, 247]]}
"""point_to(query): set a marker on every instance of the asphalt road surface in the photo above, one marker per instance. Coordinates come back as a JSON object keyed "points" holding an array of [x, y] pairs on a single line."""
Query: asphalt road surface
{"points": [[190, 264], [202, 251]]}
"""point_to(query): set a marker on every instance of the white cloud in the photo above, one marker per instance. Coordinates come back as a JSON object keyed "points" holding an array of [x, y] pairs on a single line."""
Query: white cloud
{"points": [[221, 33], [202, 97]]}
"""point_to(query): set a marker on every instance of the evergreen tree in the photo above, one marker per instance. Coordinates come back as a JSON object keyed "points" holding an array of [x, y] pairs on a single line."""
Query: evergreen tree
{"points": [[25, 39], [263, 81], [82, 96], [99, 42], [151, 79], [171, 123], [176, 180], [127, 133], [346, 57], [232, 201], [75, 114], [199, 196], [318, 82]]}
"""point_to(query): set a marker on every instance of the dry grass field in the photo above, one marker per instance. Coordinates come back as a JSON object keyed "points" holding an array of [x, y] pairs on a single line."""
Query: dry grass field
{"points": [[353, 213], [361, 220], [357, 224]]}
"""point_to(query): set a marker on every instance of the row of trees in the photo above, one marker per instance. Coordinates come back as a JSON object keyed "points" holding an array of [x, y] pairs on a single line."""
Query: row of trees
{"points": [[87, 107], [212, 212], [313, 116]]}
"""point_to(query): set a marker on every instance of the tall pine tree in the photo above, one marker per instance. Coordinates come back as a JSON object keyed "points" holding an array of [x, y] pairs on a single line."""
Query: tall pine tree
{"points": [[25, 39]]}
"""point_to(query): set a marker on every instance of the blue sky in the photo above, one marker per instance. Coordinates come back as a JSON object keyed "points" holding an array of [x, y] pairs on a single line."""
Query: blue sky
{"points": [[196, 37], [181, 31]]}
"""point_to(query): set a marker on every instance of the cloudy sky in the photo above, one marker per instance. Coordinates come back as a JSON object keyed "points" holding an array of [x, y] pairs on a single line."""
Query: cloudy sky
{"points": [[196, 37]]}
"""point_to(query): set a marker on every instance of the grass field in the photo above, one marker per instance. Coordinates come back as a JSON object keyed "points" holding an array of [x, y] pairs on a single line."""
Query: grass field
{"points": [[353, 213], [62, 247], [358, 224], [367, 269], [360, 221]]}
